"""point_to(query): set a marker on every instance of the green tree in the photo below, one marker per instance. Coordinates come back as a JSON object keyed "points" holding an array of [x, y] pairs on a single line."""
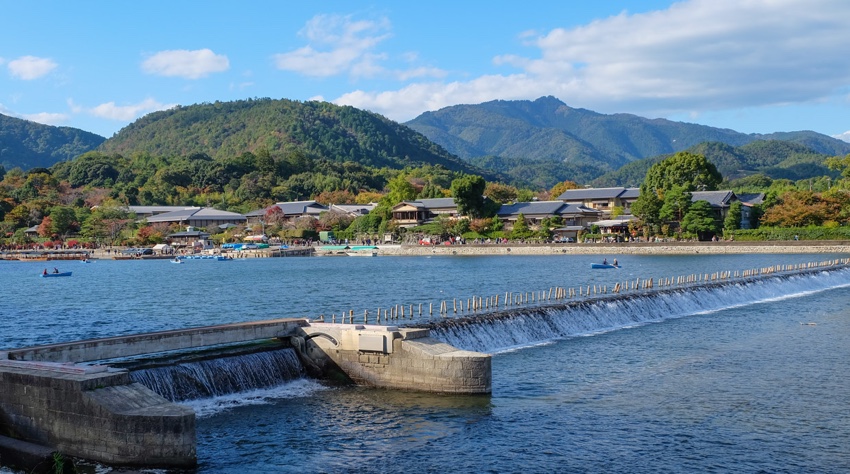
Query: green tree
{"points": [[63, 220], [677, 201], [700, 220], [647, 207], [683, 169], [468, 192], [521, 230], [733, 216]]}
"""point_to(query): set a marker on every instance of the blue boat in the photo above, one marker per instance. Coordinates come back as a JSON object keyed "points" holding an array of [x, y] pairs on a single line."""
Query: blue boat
{"points": [[603, 265], [60, 274]]}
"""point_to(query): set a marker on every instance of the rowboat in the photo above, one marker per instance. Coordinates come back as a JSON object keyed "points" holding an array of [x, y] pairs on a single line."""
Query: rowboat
{"points": [[603, 265], [60, 274]]}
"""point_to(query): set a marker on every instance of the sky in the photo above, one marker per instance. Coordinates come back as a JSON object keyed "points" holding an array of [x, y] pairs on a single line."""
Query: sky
{"points": [[754, 66]]}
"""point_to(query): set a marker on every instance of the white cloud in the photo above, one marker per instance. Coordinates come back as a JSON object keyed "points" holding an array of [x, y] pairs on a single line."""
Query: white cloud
{"points": [[345, 46], [697, 55], [843, 136], [31, 67], [341, 45], [186, 64], [126, 113], [45, 118]]}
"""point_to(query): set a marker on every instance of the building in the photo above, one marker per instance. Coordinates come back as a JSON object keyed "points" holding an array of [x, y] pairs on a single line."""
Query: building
{"points": [[290, 210], [573, 216], [205, 217], [602, 199], [423, 211]]}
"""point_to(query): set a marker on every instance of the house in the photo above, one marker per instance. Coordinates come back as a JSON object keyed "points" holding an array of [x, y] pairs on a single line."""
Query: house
{"points": [[290, 210], [602, 199], [748, 202], [353, 210], [615, 226], [423, 211], [190, 238], [719, 200], [572, 215], [198, 217], [143, 212]]}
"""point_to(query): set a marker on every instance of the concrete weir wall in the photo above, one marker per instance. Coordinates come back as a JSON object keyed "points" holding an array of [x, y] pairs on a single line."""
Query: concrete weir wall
{"points": [[50, 400], [94, 413], [397, 358]]}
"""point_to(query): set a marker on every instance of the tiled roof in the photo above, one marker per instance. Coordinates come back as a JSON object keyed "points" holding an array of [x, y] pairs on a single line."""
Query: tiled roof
{"points": [[205, 213], [544, 208], [715, 198], [596, 193]]}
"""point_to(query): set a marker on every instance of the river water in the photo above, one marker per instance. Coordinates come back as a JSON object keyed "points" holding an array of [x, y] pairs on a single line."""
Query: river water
{"points": [[724, 381]]}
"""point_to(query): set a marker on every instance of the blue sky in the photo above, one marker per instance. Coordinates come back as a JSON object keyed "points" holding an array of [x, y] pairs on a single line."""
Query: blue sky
{"points": [[755, 66]]}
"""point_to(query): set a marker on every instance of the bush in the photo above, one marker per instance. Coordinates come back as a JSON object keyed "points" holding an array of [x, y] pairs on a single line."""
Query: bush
{"points": [[826, 232]]}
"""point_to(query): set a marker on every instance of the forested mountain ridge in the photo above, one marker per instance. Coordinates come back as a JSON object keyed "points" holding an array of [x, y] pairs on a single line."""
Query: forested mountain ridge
{"points": [[25, 144], [537, 134], [773, 158], [319, 129]]}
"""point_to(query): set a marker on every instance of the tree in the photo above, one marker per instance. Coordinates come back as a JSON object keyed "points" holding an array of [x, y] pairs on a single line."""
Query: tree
{"points": [[700, 220], [683, 169], [63, 220], [521, 229], [400, 190], [501, 193], [647, 207], [559, 188], [468, 192], [733, 216], [677, 201]]}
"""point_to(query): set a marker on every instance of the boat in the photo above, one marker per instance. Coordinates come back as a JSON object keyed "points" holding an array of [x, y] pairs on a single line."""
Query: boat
{"points": [[362, 251], [59, 274], [176, 260], [222, 258], [603, 265]]}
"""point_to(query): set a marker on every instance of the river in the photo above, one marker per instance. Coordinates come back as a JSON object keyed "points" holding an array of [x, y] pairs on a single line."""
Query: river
{"points": [[735, 386]]}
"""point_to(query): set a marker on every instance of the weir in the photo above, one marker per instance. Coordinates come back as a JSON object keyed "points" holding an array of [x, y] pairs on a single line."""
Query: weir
{"points": [[99, 400]]}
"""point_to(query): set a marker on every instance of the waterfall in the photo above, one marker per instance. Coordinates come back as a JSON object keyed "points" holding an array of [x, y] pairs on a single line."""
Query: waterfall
{"points": [[221, 376], [525, 326]]}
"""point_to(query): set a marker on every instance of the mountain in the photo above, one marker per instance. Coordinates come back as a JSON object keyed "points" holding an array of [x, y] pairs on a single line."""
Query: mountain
{"points": [[319, 129], [26, 145], [773, 158], [539, 134]]}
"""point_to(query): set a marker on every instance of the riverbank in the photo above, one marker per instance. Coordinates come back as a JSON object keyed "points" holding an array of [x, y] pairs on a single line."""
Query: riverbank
{"points": [[627, 248]]}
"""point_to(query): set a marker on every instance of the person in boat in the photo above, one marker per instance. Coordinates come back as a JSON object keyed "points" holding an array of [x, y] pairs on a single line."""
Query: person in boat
{"points": [[604, 261], [55, 270], [45, 272], [614, 262]]}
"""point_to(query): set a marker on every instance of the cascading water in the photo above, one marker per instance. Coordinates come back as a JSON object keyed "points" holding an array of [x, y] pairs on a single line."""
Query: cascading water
{"points": [[221, 376], [521, 327]]}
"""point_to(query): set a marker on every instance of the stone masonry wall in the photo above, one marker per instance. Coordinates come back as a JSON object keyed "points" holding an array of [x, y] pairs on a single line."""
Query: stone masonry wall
{"points": [[423, 364], [99, 416]]}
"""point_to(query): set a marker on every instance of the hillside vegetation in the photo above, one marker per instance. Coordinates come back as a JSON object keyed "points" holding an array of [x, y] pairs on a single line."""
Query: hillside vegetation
{"points": [[772, 158], [319, 129], [25, 144]]}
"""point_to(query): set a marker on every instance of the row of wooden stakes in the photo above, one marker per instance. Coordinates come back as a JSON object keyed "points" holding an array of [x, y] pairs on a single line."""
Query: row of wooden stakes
{"points": [[555, 294]]}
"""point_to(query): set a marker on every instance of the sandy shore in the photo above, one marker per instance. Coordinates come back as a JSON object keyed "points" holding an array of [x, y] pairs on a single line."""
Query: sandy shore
{"points": [[667, 248]]}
